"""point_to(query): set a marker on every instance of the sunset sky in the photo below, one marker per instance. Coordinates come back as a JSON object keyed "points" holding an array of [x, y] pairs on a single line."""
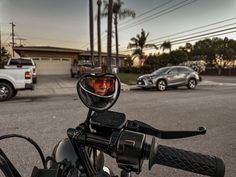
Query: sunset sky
{"points": [[65, 23]]}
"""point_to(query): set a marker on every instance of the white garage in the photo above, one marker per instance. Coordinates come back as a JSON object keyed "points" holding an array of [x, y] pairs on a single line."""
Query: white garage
{"points": [[50, 60], [53, 66]]}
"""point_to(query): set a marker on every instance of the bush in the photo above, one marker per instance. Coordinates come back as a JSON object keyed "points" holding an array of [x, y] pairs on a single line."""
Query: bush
{"points": [[129, 70], [197, 66]]}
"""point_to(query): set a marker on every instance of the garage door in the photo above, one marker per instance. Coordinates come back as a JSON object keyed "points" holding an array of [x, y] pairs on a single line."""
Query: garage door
{"points": [[53, 66]]}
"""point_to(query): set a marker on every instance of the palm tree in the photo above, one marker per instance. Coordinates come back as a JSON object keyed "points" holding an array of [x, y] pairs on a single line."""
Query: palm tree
{"points": [[99, 3], [120, 14], [139, 43], [109, 34], [166, 45], [91, 30]]}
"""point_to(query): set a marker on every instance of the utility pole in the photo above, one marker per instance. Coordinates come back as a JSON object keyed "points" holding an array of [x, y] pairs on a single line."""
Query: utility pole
{"points": [[12, 37]]}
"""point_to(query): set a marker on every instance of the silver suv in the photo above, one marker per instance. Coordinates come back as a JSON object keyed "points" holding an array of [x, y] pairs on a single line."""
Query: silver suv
{"points": [[173, 76]]}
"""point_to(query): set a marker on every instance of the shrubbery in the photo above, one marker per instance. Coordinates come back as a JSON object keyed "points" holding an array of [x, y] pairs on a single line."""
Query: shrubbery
{"points": [[197, 66]]}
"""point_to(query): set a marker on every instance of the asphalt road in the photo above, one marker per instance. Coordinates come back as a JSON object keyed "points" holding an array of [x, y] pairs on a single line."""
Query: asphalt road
{"points": [[46, 119]]}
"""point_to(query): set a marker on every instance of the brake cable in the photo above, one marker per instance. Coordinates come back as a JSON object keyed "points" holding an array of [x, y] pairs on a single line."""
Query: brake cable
{"points": [[31, 142]]}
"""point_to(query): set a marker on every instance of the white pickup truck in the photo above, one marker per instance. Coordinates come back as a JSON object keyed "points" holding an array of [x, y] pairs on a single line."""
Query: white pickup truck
{"points": [[23, 62], [12, 80]]}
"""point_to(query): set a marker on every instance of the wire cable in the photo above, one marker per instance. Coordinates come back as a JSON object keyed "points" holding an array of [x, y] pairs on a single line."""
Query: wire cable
{"points": [[157, 15], [193, 29], [30, 141], [148, 11]]}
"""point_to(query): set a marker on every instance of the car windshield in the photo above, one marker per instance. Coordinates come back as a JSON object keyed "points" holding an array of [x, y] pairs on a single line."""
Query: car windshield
{"points": [[160, 71]]}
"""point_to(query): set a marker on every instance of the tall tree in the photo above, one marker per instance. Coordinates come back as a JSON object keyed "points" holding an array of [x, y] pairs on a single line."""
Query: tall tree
{"points": [[4, 56], [109, 35], [166, 45], [91, 31], [119, 13], [99, 3], [138, 43]]}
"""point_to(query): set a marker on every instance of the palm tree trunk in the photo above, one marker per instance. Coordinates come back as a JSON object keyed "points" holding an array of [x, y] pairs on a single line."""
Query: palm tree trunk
{"points": [[99, 2], [109, 35], [91, 31], [117, 42]]}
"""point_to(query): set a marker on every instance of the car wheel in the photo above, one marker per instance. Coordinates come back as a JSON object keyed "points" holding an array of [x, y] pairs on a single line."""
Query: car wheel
{"points": [[6, 91], [161, 85], [192, 84]]}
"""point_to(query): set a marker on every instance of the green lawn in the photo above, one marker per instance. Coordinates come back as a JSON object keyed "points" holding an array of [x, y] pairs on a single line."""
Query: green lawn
{"points": [[128, 78]]}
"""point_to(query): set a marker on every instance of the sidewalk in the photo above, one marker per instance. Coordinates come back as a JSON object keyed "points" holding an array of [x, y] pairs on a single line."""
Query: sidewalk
{"points": [[64, 85]]}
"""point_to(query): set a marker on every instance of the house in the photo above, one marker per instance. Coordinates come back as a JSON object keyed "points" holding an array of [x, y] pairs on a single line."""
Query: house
{"points": [[58, 61]]}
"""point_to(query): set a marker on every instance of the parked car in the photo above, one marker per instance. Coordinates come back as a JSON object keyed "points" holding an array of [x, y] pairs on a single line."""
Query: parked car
{"points": [[23, 63], [83, 67], [12, 80], [173, 76]]}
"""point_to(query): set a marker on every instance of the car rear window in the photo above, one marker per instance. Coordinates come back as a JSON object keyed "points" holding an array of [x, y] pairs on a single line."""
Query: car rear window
{"points": [[26, 62], [14, 62], [20, 61]]}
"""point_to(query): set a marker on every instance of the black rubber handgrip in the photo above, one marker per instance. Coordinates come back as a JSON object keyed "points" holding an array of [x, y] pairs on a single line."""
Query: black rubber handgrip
{"points": [[186, 160]]}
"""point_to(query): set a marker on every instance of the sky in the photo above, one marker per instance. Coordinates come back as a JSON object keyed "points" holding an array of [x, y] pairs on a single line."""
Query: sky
{"points": [[65, 23]]}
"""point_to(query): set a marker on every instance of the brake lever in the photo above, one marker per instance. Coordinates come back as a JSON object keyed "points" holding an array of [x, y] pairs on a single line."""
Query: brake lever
{"points": [[162, 134]]}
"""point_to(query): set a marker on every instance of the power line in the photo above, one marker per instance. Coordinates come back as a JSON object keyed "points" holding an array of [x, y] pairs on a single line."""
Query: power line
{"points": [[206, 34], [193, 29], [155, 16], [148, 11], [215, 35], [199, 32], [7, 39]]}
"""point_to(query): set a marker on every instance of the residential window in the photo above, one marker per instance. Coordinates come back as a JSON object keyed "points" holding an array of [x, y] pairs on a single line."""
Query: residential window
{"points": [[56, 59], [45, 59]]}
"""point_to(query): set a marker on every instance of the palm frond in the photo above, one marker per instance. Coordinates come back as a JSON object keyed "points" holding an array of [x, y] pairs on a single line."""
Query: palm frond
{"points": [[126, 13], [151, 46], [132, 45]]}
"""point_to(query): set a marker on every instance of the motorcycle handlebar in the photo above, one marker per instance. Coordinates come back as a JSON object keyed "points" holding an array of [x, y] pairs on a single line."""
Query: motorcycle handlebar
{"points": [[158, 154], [186, 160]]}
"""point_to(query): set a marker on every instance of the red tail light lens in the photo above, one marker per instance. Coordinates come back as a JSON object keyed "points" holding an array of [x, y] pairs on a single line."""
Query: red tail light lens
{"points": [[27, 75]]}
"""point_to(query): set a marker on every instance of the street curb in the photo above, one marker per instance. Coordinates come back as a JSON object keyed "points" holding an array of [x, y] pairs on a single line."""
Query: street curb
{"points": [[72, 90]]}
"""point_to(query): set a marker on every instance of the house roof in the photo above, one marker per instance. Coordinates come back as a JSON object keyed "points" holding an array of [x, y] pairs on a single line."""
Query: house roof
{"points": [[46, 49], [58, 49]]}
